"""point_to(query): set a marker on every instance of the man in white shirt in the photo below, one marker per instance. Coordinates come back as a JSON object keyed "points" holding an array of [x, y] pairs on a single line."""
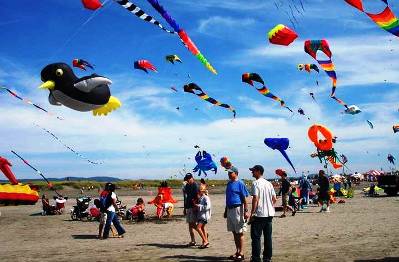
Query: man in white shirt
{"points": [[263, 199]]}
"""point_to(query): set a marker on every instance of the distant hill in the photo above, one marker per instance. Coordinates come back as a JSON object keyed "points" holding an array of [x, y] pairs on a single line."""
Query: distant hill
{"points": [[94, 178]]}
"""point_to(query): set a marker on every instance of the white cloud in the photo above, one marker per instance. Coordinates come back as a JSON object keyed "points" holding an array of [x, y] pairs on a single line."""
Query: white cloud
{"points": [[216, 25]]}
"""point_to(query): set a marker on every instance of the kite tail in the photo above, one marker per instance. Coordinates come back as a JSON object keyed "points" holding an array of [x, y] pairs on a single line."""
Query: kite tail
{"points": [[339, 101], [137, 11], [288, 159]]}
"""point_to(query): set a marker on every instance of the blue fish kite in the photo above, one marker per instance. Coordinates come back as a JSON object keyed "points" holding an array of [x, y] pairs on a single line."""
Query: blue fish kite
{"points": [[281, 144], [204, 163]]}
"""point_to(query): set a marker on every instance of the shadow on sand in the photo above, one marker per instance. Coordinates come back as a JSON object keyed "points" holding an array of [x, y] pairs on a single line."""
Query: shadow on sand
{"points": [[188, 258], [170, 246], [385, 259], [84, 236]]}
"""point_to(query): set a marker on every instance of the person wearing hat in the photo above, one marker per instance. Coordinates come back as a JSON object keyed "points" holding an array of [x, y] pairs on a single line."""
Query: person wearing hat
{"points": [[262, 212], [191, 191], [236, 211]]}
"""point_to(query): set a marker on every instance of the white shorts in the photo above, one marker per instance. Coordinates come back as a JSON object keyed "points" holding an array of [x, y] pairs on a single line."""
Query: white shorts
{"points": [[191, 216], [235, 219]]}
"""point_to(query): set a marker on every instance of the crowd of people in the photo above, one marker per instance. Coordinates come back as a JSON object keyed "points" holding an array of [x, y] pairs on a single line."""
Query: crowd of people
{"points": [[198, 208]]}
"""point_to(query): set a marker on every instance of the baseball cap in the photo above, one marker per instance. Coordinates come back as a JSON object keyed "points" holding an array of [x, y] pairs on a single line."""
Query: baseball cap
{"points": [[232, 169], [257, 168], [188, 176]]}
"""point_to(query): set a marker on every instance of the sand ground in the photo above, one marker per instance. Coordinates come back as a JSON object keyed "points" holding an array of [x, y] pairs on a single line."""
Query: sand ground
{"points": [[359, 230]]}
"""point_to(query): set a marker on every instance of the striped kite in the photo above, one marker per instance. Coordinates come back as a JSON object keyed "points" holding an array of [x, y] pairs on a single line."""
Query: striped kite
{"points": [[386, 19], [196, 90], [144, 65], [312, 47], [250, 78], [188, 43], [308, 67]]}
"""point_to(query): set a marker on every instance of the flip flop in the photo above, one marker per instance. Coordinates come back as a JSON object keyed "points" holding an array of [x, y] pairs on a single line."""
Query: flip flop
{"points": [[192, 244], [204, 246], [233, 257], [239, 258]]}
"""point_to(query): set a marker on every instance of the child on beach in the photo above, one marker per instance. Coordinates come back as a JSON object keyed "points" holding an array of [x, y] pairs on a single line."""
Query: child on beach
{"points": [[203, 215], [138, 211]]}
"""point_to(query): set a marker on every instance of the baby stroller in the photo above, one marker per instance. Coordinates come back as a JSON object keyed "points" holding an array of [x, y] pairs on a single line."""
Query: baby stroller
{"points": [[121, 209], [80, 211]]}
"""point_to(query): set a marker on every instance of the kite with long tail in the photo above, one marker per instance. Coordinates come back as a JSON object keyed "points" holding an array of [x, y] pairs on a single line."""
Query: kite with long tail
{"points": [[37, 171], [188, 43], [312, 47], [281, 144], [250, 78], [196, 90], [385, 20], [68, 147], [28, 101]]}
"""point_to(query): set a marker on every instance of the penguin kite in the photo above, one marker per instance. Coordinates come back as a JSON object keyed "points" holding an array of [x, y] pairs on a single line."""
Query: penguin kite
{"points": [[89, 93]]}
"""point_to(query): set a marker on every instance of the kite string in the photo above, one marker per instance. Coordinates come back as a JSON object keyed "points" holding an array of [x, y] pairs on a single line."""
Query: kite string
{"points": [[37, 171], [80, 28], [68, 147]]}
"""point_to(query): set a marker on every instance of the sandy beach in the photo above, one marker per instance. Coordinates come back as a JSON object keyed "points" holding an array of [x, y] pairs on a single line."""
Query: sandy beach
{"points": [[362, 229]]}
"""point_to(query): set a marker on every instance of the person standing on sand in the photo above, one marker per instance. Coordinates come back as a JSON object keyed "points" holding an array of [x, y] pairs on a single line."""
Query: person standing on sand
{"points": [[324, 186], [262, 213], [236, 211], [191, 191], [112, 217], [285, 191]]}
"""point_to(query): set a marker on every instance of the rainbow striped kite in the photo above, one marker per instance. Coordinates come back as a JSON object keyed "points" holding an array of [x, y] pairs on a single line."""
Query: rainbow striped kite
{"points": [[250, 78], [196, 90], [312, 47], [386, 19]]}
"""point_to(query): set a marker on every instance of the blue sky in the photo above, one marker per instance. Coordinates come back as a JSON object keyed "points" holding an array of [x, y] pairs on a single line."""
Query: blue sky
{"points": [[147, 137]]}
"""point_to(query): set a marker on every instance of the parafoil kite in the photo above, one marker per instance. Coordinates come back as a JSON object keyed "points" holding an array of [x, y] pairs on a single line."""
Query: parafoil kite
{"points": [[196, 90], [281, 144], [188, 43], [308, 67], [395, 128], [391, 159], [12, 93], [80, 63], [325, 150], [385, 20], [204, 163], [144, 65], [301, 112], [173, 58], [370, 124], [250, 78], [311, 48], [282, 35], [92, 4], [89, 93], [352, 110]]}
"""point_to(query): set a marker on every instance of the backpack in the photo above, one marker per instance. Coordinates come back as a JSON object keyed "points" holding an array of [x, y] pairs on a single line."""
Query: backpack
{"points": [[105, 201]]}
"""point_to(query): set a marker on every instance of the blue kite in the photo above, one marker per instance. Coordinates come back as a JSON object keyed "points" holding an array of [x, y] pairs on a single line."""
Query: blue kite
{"points": [[204, 163], [281, 144]]}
